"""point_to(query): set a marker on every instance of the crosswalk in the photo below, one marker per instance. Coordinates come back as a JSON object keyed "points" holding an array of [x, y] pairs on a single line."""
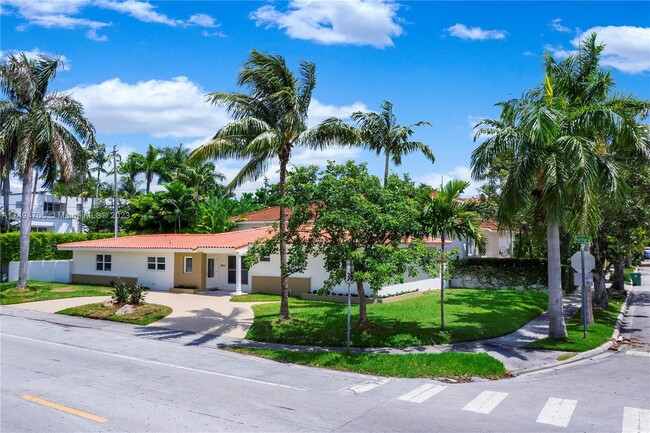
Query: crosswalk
{"points": [[556, 412]]}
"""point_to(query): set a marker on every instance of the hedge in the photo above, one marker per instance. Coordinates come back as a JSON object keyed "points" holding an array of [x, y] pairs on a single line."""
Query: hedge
{"points": [[510, 272], [42, 245]]}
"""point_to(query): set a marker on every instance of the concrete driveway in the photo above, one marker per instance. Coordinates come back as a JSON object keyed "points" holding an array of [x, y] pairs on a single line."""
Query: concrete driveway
{"points": [[206, 314]]}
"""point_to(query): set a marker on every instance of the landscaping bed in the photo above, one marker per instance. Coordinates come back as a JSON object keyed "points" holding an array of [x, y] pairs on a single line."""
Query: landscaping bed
{"points": [[470, 314], [461, 366], [597, 334], [45, 291], [142, 314]]}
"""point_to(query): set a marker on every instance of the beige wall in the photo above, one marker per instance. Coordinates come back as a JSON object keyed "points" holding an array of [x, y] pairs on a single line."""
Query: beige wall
{"points": [[267, 284], [104, 280], [197, 277]]}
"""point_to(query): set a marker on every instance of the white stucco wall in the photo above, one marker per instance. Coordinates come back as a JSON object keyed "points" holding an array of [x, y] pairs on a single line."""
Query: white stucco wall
{"points": [[128, 264]]}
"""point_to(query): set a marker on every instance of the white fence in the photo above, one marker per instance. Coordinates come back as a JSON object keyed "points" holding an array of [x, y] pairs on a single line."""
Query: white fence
{"points": [[44, 270]]}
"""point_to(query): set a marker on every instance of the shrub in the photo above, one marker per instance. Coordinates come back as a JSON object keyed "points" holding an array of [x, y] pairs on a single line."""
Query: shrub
{"points": [[121, 293], [137, 292], [43, 246]]}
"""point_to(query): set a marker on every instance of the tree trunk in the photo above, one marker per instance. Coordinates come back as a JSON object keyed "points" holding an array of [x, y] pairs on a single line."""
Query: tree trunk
{"points": [[25, 225], [442, 284], [600, 290], [363, 317], [618, 281], [556, 325], [96, 199], [386, 167], [284, 278], [6, 190], [148, 184]]}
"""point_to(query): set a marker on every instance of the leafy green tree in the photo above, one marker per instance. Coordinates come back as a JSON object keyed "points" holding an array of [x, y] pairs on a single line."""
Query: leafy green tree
{"points": [[45, 128], [202, 177], [556, 139], [215, 215], [270, 121], [448, 217], [381, 133]]}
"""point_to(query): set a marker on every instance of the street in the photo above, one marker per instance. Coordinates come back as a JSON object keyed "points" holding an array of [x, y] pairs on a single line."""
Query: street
{"points": [[66, 374]]}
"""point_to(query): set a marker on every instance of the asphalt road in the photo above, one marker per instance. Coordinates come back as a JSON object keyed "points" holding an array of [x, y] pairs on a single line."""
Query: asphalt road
{"points": [[119, 378]]}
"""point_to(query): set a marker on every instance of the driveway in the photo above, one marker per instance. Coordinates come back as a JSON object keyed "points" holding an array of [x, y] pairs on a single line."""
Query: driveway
{"points": [[206, 314]]}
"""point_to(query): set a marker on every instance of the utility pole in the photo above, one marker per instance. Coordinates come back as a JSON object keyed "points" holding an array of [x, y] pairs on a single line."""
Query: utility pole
{"points": [[115, 190]]}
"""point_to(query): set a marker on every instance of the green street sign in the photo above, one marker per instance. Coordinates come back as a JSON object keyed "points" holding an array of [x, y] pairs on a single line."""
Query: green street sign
{"points": [[581, 239]]}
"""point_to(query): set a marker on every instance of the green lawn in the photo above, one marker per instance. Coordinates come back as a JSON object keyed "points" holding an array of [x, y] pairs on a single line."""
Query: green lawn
{"points": [[43, 291], [470, 314], [142, 314], [256, 297], [597, 334], [429, 365]]}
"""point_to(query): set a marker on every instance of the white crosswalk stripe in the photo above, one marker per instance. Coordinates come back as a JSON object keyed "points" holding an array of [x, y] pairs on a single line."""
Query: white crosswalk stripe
{"points": [[365, 387], [485, 402], [557, 412], [636, 420], [422, 393]]}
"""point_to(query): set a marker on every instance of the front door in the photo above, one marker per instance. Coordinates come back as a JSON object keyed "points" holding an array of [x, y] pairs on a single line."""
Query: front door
{"points": [[211, 273]]}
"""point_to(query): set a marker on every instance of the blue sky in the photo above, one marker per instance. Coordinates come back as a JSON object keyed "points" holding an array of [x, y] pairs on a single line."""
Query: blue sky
{"points": [[142, 68]]}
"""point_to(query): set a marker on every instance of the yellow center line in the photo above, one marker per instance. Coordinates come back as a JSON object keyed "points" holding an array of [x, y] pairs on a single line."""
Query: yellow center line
{"points": [[80, 413]]}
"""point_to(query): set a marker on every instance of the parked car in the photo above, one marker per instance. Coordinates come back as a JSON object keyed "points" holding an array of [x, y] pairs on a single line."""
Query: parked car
{"points": [[646, 253]]}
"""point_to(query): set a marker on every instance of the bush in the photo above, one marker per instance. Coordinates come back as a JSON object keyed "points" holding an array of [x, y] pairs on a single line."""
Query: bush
{"points": [[121, 293], [43, 246], [133, 294], [137, 292]]}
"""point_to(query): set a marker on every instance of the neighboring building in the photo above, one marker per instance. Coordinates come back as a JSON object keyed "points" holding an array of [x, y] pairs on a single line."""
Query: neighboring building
{"points": [[51, 213]]}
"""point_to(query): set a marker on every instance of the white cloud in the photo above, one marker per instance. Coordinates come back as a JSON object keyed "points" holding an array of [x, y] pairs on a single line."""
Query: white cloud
{"points": [[354, 22], [459, 172], [140, 10], [160, 108], [557, 25], [474, 33], [208, 34], [318, 111], [559, 52], [627, 48], [65, 64], [202, 20], [529, 54]]}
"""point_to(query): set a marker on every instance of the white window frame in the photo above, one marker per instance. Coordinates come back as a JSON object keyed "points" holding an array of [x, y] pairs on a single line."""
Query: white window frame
{"points": [[266, 258], [185, 264], [103, 262], [157, 263]]}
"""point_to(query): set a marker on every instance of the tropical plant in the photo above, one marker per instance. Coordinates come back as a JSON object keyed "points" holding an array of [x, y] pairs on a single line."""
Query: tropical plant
{"points": [[99, 158], [381, 133], [44, 127], [216, 214], [120, 293], [558, 135], [446, 216], [270, 121], [136, 294], [202, 177], [129, 169]]}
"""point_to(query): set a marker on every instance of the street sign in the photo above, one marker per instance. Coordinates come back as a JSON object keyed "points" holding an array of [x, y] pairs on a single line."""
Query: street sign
{"points": [[590, 262], [589, 279], [581, 239]]}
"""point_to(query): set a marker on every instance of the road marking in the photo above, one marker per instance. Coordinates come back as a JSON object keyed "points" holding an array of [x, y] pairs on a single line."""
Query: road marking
{"points": [[422, 393], [636, 420], [150, 361], [637, 353], [557, 412], [70, 410], [485, 402], [365, 387]]}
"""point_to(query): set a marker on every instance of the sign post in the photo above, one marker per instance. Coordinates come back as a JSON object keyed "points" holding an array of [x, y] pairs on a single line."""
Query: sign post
{"points": [[583, 262], [349, 278]]}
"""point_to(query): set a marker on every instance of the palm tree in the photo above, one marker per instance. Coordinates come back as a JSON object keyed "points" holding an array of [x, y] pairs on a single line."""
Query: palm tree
{"points": [[269, 122], [129, 170], [150, 165], [381, 133], [173, 158], [44, 128], [558, 136], [7, 158], [447, 216], [100, 159], [202, 176]]}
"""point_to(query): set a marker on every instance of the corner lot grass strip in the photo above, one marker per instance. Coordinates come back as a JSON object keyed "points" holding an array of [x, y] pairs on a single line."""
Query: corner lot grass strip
{"points": [[470, 314], [427, 365], [44, 291], [142, 314]]}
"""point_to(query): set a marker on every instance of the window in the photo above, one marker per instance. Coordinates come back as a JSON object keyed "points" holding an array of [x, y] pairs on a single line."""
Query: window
{"points": [[232, 271], [103, 262], [80, 206], [210, 268], [156, 263], [187, 265], [266, 258], [39, 229], [19, 205], [50, 208]]}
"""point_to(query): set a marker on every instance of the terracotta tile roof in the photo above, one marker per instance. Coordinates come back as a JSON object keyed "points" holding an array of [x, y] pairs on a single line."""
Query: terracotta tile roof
{"points": [[490, 225], [268, 214], [236, 239]]}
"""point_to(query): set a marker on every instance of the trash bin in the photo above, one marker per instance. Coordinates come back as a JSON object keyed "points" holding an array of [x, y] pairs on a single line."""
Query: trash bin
{"points": [[636, 278]]}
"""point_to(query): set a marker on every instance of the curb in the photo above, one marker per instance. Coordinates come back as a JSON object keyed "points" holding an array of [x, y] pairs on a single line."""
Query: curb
{"points": [[590, 353]]}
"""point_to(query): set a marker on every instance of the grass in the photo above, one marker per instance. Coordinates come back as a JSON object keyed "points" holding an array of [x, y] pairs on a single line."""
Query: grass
{"points": [[44, 291], [142, 314], [256, 297], [627, 274], [597, 334], [429, 365], [470, 314]]}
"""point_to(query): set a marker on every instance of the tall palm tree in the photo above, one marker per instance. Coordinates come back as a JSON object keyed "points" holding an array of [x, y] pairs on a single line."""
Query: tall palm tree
{"points": [[151, 165], [202, 176], [173, 158], [129, 169], [381, 133], [44, 127], [448, 217], [559, 137], [7, 158], [99, 158], [270, 121]]}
